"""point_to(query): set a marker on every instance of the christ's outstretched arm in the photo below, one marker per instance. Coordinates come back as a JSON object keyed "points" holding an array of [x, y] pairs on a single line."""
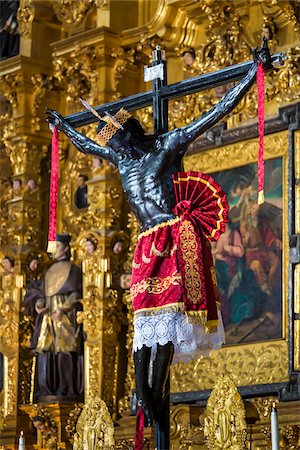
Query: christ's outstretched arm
{"points": [[81, 142], [221, 109], [180, 138]]}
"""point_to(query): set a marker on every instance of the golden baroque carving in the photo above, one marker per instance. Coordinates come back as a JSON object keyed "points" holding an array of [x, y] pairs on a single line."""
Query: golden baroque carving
{"points": [[224, 417], [102, 4], [69, 12], [94, 428], [256, 369], [235, 155], [225, 45], [42, 84], [24, 156], [283, 12], [8, 86], [124, 57], [263, 406], [286, 86], [291, 436], [72, 421], [25, 16], [124, 403], [48, 438], [93, 373], [78, 78], [104, 196]]}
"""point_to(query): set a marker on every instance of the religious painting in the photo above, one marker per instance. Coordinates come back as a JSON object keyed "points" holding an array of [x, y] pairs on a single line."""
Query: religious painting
{"points": [[248, 256], [251, 267]]}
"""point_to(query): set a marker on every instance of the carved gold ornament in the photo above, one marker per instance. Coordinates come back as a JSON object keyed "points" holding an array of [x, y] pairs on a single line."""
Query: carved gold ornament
{"points": [[224, 417], [94, 428]]}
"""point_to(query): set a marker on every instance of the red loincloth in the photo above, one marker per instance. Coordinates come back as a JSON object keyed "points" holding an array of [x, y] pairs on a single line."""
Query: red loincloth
{"points": [[173, 272]]}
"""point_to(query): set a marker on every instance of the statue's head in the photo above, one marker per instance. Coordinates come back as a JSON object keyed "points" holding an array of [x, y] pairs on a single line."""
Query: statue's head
{"points": [[124, 136], [39, 423], [119, 131], [63, 250]]}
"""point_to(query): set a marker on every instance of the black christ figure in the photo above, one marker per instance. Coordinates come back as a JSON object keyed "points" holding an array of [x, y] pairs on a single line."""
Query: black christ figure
{"points": [[146, 164]]}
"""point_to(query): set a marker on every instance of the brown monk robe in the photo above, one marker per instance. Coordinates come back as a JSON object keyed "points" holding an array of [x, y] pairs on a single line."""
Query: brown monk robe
{"points": [[57, 338]]}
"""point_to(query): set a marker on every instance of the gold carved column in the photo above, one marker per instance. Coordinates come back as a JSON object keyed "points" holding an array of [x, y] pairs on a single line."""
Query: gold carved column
{"points": [[297, 268]]}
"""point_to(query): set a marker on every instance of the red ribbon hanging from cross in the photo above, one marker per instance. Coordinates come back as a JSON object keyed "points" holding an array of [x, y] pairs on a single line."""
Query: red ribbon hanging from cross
{"points": [[260, 77], [53, 193]]}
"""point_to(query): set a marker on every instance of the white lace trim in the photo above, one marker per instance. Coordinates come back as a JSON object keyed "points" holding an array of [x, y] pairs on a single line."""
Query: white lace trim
{"points": [[190, 340]]}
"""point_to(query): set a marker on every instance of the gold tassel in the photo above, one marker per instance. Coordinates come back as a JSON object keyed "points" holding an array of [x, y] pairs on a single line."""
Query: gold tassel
{"points": [[51, 248], [261, 197]]}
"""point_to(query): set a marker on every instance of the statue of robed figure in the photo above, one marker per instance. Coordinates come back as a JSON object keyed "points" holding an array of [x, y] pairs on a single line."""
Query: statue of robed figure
{"points": [[58, 338]]}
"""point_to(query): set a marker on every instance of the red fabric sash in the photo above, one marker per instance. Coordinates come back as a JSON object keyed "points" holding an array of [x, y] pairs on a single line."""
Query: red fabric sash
{"points": [[53, 193], [260, 76], [139, 430]]}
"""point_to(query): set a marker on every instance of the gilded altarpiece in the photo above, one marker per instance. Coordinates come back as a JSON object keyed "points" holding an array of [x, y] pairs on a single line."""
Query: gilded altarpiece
{"points": [[89, 58]]}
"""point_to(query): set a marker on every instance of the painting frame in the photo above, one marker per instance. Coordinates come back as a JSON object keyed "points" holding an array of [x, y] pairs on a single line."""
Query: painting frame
{"points": [[254, 363]]}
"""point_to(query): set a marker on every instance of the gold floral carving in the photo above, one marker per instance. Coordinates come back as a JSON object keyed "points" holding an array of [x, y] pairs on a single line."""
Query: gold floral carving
{"points": [[263, 406], [25, 16], [8, 86], [124, 402], [69, 12], [124, 58], [297, 267], [72, 421], [224, 417], [102, 4], [263, 363], [134, 229], [94, 428]]}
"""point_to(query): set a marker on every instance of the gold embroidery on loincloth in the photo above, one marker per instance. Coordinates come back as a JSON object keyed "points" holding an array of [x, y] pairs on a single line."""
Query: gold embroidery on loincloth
{"points": [[158, 226], [189, 248], [156, 252], [213, 275], [170, 308], [155, 285]]}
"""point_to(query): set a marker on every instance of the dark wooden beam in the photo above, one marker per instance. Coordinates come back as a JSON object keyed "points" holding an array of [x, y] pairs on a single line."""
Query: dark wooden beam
{"points": [[185, 87]]}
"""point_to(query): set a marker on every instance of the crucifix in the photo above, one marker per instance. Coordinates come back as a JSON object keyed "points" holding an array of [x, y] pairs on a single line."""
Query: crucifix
{"points": [[173, 288]]}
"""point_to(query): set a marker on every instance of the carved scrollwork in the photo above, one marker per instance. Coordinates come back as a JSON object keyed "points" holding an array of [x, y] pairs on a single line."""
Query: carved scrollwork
{"points": [[123, 59], [8, 86], [25, 16], [69, 12], [72, 421], [42, 83]]}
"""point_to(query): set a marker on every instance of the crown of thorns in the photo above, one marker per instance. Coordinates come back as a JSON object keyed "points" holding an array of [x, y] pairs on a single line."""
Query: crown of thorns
{"points": [[113, 123]]}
